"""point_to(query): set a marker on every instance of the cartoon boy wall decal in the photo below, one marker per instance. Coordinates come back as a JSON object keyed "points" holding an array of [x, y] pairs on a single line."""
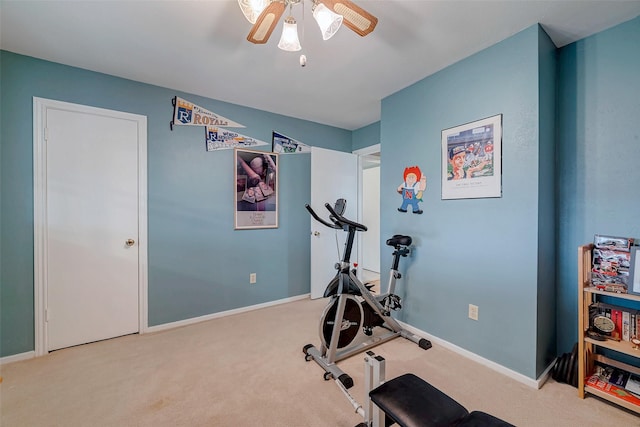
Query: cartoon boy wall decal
{"points": [[411, 189]]}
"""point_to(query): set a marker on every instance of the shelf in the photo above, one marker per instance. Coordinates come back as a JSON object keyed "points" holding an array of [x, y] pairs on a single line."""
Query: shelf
{"points": [[594, 290], [610, 398], [620, 346], [616, 363], [611, 395], [587, 347]]}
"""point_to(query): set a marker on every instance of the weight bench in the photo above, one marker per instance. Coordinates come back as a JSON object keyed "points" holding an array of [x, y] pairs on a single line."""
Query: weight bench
{"points": [[412, 402]]}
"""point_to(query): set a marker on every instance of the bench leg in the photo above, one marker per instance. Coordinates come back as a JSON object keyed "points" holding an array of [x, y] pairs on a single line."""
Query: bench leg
{"points": [[374, 376]]}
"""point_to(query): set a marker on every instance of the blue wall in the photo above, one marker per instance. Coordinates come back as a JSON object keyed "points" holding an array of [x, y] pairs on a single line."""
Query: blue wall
{"points": [[547, 229], [571, 148], [475, 251], [499, 254], [366, 136], [598, 153], [198, 264]]}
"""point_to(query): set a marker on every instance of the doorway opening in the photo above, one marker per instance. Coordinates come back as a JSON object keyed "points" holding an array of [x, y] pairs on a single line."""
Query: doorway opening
{"points": [[369, 213]]}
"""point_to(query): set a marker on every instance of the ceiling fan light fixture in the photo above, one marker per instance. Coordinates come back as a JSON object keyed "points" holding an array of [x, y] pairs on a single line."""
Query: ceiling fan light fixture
{"points": [[289, 40], [329, 14], [356, 18], [252, 8], [328, 21]]}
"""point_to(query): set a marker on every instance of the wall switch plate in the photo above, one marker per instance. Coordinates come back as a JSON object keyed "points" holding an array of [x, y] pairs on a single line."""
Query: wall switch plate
{"points": [[252, 278], [473, 312]]}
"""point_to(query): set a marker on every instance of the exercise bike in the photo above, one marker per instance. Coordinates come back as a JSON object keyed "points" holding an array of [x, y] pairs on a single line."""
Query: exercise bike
{"points": [[355, 319]]}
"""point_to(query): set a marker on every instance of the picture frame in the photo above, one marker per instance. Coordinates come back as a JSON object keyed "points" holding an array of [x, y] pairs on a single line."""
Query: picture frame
{"points": [[633, 286], [256, 189], [472, 160]]}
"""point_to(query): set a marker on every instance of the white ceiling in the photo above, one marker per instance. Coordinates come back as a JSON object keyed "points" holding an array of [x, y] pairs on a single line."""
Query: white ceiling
{"points": [[200, 47]]}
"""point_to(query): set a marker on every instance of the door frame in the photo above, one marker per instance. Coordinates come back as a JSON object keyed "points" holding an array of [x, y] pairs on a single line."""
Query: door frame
{"points": [[362, 153], [40, 106]]}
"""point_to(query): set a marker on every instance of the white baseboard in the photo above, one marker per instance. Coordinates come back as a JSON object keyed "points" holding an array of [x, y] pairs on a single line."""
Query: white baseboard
{"points": [[32, 354], [537, 383], [17, 357], [194, 320]]}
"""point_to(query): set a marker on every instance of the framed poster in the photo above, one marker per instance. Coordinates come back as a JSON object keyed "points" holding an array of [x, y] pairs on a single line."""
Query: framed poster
{"points": [[256, 189], [472, 160]]}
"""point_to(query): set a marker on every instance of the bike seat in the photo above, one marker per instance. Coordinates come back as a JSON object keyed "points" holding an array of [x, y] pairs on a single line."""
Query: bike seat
{"points": [[399, 240], [332, 288]]}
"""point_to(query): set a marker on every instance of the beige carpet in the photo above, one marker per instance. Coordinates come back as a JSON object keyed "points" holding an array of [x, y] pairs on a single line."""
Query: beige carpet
{"points": [[249, 370]]}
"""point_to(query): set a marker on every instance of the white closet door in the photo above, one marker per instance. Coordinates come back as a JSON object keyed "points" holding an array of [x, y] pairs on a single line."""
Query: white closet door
{"points": [[92, 227]]}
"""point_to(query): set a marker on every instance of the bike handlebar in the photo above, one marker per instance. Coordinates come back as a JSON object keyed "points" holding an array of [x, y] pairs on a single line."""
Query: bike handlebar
{"points": [[338, 220], [317, 218], [341, 219]]}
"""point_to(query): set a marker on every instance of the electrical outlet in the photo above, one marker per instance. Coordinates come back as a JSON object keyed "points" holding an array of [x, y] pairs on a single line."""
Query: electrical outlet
{"points": [[252, 278], [473, 312]]}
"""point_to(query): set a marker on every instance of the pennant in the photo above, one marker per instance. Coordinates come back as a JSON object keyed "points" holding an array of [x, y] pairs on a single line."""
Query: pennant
{"points": [[285, 145], [222, 139], [187, 113]]}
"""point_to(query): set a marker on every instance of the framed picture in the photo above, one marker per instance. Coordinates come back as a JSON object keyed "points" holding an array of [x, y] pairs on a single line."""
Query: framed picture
{"points": [[472, 160], [634, 271], [256, 189]]}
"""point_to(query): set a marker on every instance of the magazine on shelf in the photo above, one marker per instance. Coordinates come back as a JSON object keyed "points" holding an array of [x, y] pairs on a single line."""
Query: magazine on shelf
{"points": [[618, 377], [597, 383]]}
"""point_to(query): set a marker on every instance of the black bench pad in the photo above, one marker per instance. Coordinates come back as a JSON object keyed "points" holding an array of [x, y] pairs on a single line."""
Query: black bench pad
{"points": [[481, 419], [412, 402]]}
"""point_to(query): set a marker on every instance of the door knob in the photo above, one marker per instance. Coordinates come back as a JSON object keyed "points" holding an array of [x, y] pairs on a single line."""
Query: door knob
{"points": [[130, 242]]}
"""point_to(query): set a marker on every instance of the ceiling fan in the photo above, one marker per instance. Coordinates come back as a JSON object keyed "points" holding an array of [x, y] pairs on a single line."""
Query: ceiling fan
{"points": [[329, 14]]}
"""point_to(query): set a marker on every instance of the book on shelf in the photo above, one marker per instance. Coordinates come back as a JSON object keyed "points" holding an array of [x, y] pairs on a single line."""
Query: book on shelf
{"points": [[626, 324], [613, 390], [618, 377], [633, 384], [616, 316], [626, 320], [612, 375]]}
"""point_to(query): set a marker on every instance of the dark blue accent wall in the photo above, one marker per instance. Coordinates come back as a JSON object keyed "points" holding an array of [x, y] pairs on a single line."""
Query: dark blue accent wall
{"points": [[598, 158], [547, 226]]}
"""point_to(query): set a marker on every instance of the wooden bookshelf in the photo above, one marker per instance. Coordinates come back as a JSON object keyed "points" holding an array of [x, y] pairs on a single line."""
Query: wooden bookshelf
{"points": [[587, 346]]}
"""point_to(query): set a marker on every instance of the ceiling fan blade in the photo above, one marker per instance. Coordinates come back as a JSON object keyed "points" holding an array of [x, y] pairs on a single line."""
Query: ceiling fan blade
{"points": [[266, 22], [354, 17]]}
